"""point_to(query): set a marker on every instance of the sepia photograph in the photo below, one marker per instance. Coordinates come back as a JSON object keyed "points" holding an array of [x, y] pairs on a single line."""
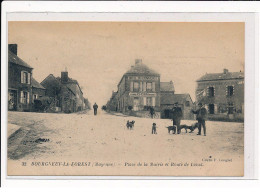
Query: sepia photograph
{"points": [[100, 98]]}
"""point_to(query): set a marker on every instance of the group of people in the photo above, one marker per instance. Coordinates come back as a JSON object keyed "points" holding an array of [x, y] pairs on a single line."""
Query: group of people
{"points": [[177, 115], [201, 114]]}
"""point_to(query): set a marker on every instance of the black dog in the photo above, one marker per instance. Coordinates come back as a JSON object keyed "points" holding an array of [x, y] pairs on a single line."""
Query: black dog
{"points": [[186, 127], [130, 125], [191, 127], [171, 128]]}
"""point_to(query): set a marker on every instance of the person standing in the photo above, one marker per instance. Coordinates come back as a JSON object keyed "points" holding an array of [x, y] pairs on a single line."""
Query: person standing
{"points": [[201, 114], [152, 112], [154, 129], [177, 116], [95, 107]]}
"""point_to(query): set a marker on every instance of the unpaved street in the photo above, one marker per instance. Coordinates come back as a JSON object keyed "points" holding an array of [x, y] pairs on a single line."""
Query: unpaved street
{"points": [[83, 137]]}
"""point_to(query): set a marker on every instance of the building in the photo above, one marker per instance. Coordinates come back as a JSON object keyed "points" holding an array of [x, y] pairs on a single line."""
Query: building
{"points": [[64, 92], [38, 90], [169, 98], [222, 93], [113, 102], [19, 81], [73, 85], [139, 89]]}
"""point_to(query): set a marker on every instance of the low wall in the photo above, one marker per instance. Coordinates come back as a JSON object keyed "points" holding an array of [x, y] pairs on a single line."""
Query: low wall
{"points": [[143, 114]]}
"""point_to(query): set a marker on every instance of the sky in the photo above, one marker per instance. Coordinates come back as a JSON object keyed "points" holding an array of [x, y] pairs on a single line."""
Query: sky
{"points": [[97, 54]]}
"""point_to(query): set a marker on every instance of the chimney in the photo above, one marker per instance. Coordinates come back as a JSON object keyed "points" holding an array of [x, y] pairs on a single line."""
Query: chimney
{"points": [[13, 48], [225, 71], [138, 61], [64, 77]]}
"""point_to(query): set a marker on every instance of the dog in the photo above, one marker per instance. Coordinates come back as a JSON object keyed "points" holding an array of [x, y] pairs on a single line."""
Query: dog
{"points": [[171, 128], [186, 127], [130, 125], [190, 127]]}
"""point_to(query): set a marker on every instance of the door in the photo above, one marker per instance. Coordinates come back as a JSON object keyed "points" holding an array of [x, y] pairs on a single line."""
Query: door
{"points": [[12, 100], [136, 104], [211, 109], [167, 113]]}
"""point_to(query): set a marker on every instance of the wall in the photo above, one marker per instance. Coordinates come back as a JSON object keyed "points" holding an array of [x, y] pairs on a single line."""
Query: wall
{"points": [[14, 82], [221, 100]]}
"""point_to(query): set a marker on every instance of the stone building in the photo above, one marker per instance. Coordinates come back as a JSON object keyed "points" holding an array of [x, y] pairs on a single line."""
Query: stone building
{"points": [[139, 89], [222, 93], [19, 81], [169, 98], [65, 93]]}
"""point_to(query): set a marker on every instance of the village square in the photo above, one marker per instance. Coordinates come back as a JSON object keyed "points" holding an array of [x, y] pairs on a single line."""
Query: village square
{"points": [[52, 119], [95, 98]]}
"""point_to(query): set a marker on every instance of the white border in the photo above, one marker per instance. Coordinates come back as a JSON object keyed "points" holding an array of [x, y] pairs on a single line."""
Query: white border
{"points": [[252, 59]]}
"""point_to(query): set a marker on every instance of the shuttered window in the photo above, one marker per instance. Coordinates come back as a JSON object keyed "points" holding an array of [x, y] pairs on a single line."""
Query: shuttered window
{"points": [[28, 78], [21, 97], [28, 97]]}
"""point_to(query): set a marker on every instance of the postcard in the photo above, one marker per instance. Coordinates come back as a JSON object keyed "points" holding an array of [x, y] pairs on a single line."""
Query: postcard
{"points": [[107, 98]]}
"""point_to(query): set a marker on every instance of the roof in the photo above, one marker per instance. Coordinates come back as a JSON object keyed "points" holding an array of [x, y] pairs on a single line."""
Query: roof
{"points": [[16, 60], [221, 76], [141, 69], [166, 86], [36, 84], [71, 81], [169, 98]]}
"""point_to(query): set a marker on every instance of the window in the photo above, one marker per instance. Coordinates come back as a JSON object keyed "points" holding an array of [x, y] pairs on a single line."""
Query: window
{"points": [[230, 108], [35, 96], [211, 91], [149, 86], [187, 103], [24, 97], [25, 77], [230, 90], [149, 101], [136, 86]]}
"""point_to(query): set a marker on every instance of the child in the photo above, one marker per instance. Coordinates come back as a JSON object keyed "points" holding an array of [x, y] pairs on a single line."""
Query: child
{"points": [[154, 129]]}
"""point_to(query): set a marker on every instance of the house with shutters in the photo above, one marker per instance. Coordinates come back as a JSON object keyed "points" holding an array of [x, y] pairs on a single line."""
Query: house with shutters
{"points": [[139, 89], [222, 93], [19, 81]]}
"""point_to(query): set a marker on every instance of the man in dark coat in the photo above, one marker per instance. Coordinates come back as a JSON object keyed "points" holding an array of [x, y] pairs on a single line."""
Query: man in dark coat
{"points": [[201, 114], [95, 107], [152, 112], [177, 116]]}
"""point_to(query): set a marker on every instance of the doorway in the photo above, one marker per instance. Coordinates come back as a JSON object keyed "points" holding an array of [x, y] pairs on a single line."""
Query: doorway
{"points": [[211, 109], [136, 104], [12, 100]]}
